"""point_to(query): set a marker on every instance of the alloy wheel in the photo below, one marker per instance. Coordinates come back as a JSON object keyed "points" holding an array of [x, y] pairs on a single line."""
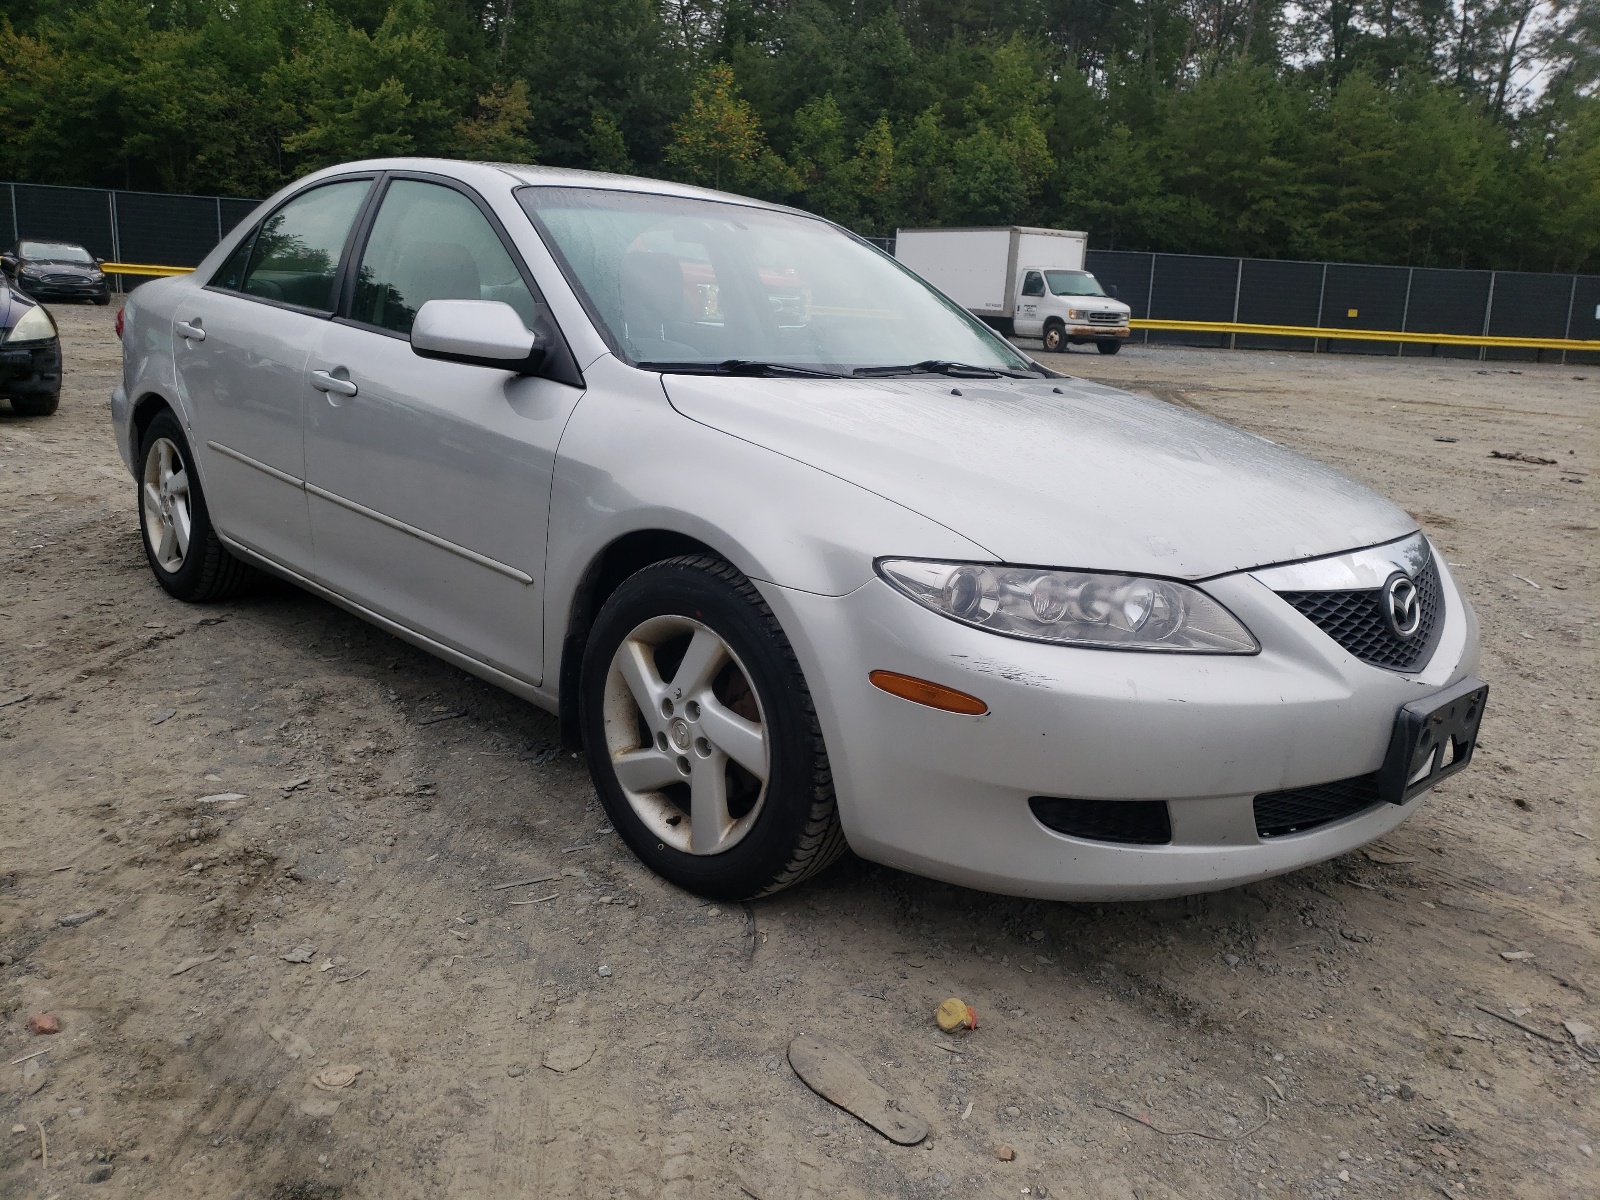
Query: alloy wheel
{"points": [[168, 518], [686, 735]]}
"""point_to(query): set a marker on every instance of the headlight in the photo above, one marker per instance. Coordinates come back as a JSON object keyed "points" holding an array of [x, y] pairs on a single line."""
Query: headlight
{"points": [[1075, 608], [35, 326], [1075, 314]]}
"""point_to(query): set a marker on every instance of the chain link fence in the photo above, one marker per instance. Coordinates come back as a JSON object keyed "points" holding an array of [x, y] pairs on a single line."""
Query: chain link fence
{"points": [[178, 231]]}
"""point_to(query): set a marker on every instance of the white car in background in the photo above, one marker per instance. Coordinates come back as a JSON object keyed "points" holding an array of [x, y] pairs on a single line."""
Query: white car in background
{"points": [[802, 553]]}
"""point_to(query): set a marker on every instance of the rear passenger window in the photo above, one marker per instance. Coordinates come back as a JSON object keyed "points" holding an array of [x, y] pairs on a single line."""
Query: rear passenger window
{"points": [[296, 254], [432, 243]]}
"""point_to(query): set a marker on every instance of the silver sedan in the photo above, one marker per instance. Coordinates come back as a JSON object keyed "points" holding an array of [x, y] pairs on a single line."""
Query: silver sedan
{"points": [[802, 554]]}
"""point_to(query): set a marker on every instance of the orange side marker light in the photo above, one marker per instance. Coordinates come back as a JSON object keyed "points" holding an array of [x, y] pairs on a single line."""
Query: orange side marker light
{"points": [[923, 691]]}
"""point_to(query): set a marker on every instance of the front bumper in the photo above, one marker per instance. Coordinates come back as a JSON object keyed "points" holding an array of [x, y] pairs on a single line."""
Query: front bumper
{"points": [[947, 796], [1092, 332], [88, 290], [31, 370]]}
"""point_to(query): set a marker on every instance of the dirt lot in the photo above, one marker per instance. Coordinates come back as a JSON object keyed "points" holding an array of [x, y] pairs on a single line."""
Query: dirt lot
{"points": [[382, 795]]}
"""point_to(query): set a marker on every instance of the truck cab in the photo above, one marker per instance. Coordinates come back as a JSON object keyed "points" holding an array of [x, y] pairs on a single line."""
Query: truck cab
{"points": [[1063, 307]]}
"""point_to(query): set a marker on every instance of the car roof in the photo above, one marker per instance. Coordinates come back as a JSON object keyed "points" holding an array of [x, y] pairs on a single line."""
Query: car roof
{"points": [[523, 174]]}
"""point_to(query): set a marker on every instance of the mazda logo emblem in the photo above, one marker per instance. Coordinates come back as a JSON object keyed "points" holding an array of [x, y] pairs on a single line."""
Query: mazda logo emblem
{"points": [[1402, 605]]}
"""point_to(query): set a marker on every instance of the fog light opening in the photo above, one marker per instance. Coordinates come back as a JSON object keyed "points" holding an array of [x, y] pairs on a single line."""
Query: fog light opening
{"points": [[927, 693]]}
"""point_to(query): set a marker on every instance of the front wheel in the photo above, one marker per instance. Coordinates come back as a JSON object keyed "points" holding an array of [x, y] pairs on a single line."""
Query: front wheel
{"points": [[184, 552], [1055, 337], [701, 735], [1108, 345]]}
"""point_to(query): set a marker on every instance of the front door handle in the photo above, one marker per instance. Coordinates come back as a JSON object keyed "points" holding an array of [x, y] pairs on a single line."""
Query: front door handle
{"points": [[192, 332], [325, 382]]}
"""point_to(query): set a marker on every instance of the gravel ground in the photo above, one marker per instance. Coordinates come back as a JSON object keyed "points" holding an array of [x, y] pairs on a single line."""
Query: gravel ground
{"points": [[1368, 1005]]}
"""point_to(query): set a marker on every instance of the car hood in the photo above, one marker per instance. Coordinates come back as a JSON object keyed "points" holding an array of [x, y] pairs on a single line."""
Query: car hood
{"points": [[1057, 473], [46, 267]]}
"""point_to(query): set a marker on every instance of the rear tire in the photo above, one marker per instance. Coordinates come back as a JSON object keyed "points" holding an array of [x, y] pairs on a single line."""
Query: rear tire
{"points": [[185, 554], [1055, 338], [1108, 345], [728, 790]]}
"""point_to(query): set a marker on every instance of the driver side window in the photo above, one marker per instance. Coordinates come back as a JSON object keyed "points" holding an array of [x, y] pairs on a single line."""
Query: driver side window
{"points": [[430, 242], [1033, 284]]}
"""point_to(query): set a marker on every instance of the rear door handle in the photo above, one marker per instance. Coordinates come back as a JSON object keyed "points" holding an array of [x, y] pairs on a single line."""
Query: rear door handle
{"points": [[193, 332], [324, 382]]}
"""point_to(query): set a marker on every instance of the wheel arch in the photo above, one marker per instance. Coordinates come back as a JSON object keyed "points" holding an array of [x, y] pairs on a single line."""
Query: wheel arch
{"points": [[605, 572], [142, 412]]}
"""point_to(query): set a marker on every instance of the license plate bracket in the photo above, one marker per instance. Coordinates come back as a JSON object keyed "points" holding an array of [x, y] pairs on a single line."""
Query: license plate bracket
{"points": [[1433, 738]]}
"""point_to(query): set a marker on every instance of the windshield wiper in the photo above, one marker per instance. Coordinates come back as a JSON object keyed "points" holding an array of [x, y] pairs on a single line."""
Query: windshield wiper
{"points": [[940, 366], [741, 366]]}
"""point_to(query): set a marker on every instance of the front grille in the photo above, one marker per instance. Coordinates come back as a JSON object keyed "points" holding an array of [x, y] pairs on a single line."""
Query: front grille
{"points": [[1356, 621], [1300, 809], [1132, 822], [1100, 318]]}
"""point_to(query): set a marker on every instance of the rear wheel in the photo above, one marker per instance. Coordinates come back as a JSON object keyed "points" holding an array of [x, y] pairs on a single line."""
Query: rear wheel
{"points": [[701, 735], [1055, 337], [184, 552], [1108, 345]]}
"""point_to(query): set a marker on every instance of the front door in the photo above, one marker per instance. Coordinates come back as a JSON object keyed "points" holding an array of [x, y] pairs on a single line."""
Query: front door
{"points": [[429, 482], [1029, 320], [241, 344]]}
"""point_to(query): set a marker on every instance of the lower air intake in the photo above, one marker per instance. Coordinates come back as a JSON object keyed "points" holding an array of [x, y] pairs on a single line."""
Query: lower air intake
{"points": [[1300, 809], [1130, 822]]}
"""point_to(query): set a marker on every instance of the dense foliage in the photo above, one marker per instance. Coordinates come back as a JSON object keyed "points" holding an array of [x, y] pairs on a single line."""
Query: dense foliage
{"points": [[1445, 132]]}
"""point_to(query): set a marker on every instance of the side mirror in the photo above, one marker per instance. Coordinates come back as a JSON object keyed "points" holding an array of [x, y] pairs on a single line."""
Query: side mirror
{"points": [[8, 260], [99, 262], [479, 333], [1111, 290]]}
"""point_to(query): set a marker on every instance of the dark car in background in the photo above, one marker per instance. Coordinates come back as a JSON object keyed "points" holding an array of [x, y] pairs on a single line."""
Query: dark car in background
{"points": [[55, 271], [30, 355]]}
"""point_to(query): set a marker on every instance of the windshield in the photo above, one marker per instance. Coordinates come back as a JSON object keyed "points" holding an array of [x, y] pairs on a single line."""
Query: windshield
{"points": [[676, 281], [1073, 283], [59, 252]]}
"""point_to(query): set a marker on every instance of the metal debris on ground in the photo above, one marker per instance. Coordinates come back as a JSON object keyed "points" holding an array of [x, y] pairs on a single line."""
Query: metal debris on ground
{"points": [[568, 1056]]}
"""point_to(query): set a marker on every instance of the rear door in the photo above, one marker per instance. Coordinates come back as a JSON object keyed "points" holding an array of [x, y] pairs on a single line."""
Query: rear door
{"points": [[428, 481], [240, 345]]}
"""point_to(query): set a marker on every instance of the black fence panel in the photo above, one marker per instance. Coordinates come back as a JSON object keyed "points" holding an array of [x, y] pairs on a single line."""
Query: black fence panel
{"points": [[173, 231], [8, 222], [1362, 297], [62, 214], [1585, 318], [1192, 287], [1273, 292], [1528, 305], [234, 211], [1447, 301], [1126, 272]]}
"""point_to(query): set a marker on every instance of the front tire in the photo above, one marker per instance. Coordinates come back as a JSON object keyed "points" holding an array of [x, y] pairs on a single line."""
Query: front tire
{"points": [[1055, 338], [701, 735], [36, 404], [184, 551], [1108, 345]]}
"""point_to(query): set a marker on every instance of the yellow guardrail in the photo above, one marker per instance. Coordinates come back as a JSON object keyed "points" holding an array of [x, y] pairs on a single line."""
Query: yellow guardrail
{"points": [[143, 269], [1368, 335]]}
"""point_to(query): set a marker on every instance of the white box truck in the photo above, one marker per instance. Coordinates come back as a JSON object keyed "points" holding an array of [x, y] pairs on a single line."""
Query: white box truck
{"points": [[1024, 282]]}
